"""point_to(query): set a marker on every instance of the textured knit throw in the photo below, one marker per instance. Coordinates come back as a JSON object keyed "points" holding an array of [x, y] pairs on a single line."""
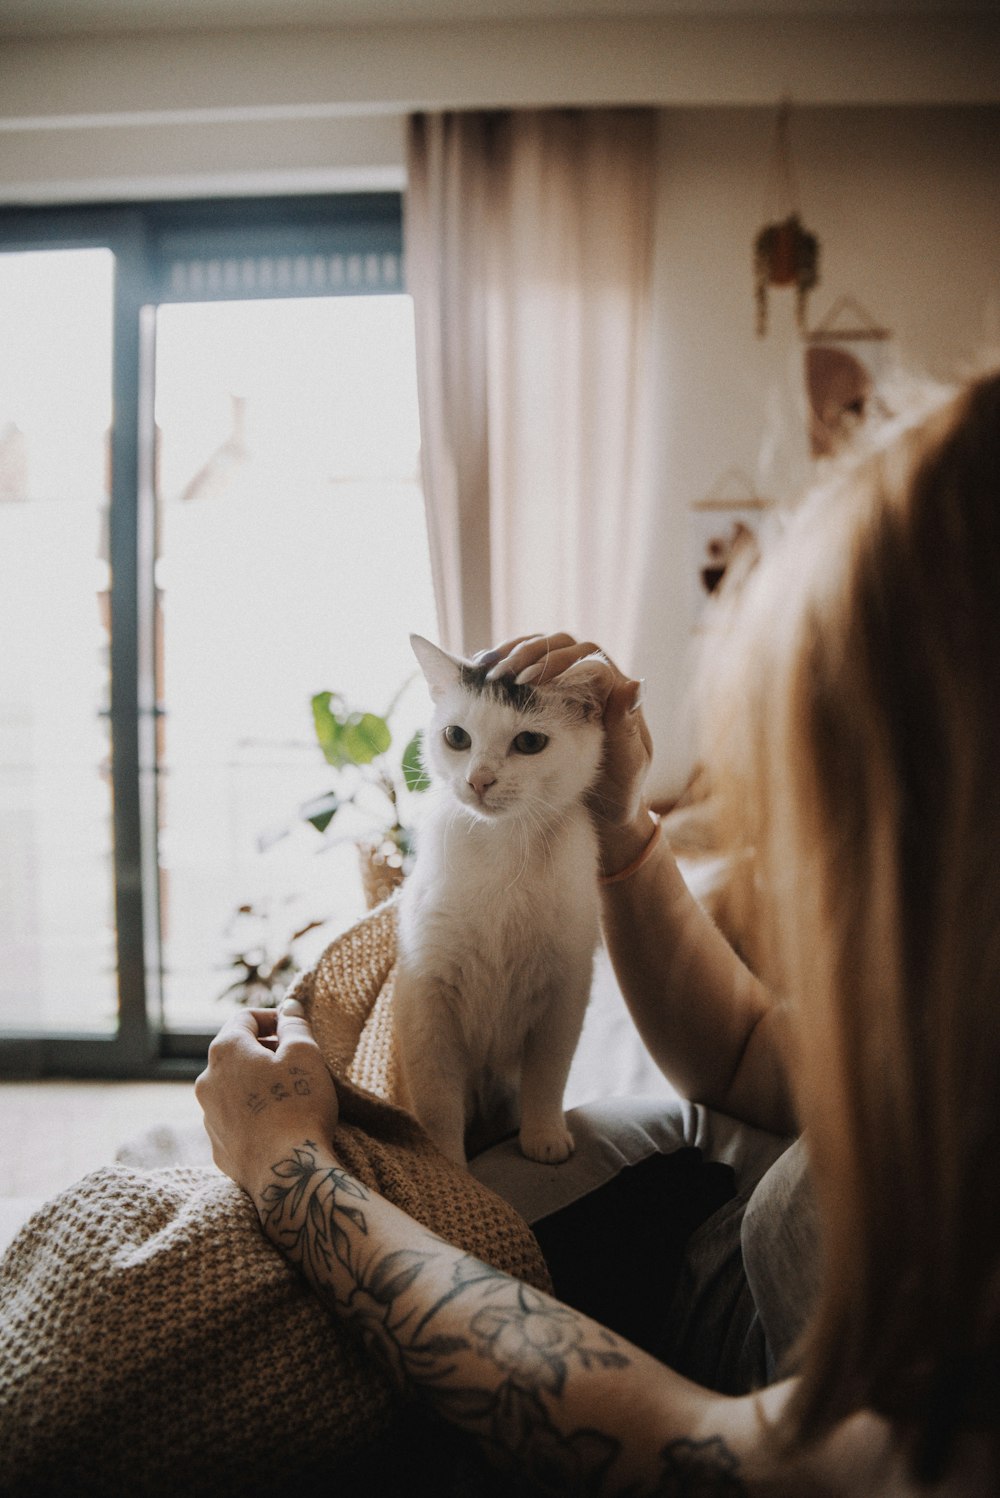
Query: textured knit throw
{"points": [[153, 1342]]}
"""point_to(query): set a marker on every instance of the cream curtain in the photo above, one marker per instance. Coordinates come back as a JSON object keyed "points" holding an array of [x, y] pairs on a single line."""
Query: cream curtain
{"points": [[528, 242]]}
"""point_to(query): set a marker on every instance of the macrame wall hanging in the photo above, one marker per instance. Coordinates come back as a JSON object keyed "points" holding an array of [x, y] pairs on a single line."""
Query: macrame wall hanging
{"points": [[726, 525], [846, 366], [785, 252]]}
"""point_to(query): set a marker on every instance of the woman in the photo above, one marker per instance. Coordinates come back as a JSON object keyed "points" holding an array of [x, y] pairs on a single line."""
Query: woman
{"points": [[855, 730]]}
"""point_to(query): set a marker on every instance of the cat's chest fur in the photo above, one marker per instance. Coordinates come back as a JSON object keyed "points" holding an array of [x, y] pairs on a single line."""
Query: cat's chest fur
{"points": [[498, 919]]}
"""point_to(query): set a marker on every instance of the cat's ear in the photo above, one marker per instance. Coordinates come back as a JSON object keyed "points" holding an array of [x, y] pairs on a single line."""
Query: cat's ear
{"points": [[584, 686], [440, 669]]}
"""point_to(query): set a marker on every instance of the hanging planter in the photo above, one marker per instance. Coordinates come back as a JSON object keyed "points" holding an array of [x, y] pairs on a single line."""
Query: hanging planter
{"points": [[785, 252]]}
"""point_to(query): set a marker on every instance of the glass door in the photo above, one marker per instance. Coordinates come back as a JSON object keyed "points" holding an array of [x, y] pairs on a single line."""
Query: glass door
{"points": [[210, 513], [57, 912], [291, 559]]}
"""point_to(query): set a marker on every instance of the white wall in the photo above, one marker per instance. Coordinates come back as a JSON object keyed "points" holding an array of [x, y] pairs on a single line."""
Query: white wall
{"points": [[277, 110], [907, 208], [903, 196]]}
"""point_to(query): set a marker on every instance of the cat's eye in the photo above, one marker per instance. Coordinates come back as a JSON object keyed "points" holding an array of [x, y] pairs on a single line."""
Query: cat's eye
{"points": [[530, 743], [456, 738]]}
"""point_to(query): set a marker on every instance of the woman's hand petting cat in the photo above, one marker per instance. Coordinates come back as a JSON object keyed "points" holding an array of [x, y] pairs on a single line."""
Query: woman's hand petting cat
{"points": [[266, 1089], [616, 797]]}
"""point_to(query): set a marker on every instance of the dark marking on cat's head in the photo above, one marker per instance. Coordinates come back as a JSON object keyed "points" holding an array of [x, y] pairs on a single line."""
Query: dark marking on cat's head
{"points": [[504, 689]]}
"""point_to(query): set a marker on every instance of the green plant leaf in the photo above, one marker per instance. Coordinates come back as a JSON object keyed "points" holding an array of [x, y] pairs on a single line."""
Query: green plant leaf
{"points": [[365, 736], [321, 810], [329, 720], [321, 821], [405, 842], [412, 765]]}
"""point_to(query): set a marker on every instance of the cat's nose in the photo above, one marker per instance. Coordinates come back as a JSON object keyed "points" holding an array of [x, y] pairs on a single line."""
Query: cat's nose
{"points": [[481, 780]]}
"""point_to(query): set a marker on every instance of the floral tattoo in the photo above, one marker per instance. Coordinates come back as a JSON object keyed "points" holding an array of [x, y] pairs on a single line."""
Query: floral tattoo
{"points": [[521, 1345]]}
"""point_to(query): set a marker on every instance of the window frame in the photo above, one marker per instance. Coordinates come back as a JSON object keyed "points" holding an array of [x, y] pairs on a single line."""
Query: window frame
{"points": [[311, 235]]}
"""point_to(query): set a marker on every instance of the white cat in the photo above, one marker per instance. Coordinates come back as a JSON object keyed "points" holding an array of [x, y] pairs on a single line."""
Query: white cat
{"points": [[498, 921]]}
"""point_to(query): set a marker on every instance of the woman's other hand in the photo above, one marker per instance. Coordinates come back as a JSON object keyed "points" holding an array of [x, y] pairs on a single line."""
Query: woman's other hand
{"points": [[265, 1089], [616, 798]]}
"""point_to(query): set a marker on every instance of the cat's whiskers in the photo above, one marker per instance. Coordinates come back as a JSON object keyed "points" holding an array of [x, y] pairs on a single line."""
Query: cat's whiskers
{"points": [[519, 825], [535, 833], [544, 828], [525, 853], [539, 827], [454, 815]]}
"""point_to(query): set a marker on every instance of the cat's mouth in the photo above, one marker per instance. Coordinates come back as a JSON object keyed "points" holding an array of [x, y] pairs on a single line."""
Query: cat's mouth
{"points": [[487, 809]]}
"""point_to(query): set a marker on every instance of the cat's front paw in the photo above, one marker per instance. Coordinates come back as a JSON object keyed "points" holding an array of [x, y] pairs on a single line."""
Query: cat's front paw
{"points": [[550, 1144]]}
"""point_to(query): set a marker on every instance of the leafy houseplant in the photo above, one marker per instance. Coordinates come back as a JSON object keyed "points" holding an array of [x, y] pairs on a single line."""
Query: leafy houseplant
{"points": [[368, 804], [357, 745]]}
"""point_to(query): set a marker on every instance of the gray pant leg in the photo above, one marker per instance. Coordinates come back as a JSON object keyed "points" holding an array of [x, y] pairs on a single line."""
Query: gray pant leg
{"points": [[748, 1282], [714, 1333], [617, 1132], [780, 1245]]}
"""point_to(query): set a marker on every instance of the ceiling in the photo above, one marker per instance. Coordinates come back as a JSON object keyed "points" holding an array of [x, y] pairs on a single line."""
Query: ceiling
{"points": [[26, 18]]}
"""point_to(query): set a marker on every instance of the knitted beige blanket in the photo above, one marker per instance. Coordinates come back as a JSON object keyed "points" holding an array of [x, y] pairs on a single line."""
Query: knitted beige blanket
{"points": [[153, 1342]]}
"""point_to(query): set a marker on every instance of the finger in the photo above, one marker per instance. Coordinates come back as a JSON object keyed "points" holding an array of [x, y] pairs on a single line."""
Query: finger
{"points": [[240, 1029], [623, 710], [625, 697], [267, 1028], [244, 1019], [497, 652], [558, 662], [293, 1027], [528, 652], [267, 1021]]}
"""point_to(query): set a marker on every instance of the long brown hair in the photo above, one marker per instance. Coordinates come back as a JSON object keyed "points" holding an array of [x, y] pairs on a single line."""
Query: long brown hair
{"points": [[854, 737]]}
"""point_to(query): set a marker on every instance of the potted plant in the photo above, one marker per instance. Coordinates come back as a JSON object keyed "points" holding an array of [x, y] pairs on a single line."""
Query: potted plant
{"points": [[785, 254], [377, 788], [358, 744]]}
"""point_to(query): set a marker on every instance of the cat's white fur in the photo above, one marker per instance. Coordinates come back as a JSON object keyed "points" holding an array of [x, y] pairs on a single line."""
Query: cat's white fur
{"points": [[498, 921]]}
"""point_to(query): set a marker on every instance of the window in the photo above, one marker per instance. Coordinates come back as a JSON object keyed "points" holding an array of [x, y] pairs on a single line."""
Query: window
{"points": [[209, 511], [56, 928]]}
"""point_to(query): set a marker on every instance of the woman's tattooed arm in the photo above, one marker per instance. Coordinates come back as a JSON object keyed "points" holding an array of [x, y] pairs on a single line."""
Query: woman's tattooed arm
{"points": [[547, 1392]]}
